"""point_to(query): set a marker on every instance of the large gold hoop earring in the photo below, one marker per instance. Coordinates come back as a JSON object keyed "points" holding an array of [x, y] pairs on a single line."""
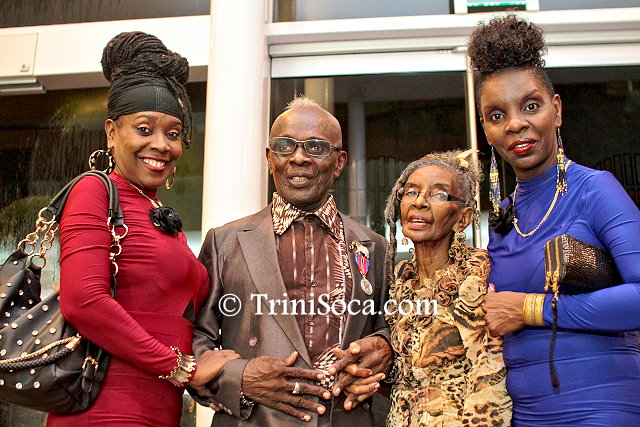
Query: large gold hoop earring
{"points": [[168, 184], [111, 161]]}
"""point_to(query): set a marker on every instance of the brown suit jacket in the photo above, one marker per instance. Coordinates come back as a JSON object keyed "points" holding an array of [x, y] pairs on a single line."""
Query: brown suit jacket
{"points": [[241, 259]]}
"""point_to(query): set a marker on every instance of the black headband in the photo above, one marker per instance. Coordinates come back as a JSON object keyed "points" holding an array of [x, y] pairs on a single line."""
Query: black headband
{"points": [[133, 94]]}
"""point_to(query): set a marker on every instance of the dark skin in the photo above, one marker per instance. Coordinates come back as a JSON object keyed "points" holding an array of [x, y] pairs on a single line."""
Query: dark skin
{"points": [[210, 363], [304, 181], [520, 119], [432, 249], [147, 146], [360, 369], [503, 311], [270, 381]]}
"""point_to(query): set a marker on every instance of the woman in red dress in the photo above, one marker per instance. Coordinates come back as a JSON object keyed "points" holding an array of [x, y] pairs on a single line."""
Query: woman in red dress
{"points": [[147, 328]]}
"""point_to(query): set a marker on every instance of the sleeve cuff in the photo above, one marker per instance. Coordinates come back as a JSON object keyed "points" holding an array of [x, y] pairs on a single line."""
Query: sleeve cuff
{"points": [[227, 389]]}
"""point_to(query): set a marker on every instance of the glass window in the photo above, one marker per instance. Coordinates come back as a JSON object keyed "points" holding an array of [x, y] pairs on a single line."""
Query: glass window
{"points": [[585, 4], [45, 141], [22, 13], [600, 110], [387, 121], [401, 117], [475, 6], [306, 10]]}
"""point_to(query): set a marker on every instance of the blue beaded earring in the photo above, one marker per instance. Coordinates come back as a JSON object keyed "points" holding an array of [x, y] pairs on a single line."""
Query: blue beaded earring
{"points": [[561, 180], [500, 220], [494, 179]]}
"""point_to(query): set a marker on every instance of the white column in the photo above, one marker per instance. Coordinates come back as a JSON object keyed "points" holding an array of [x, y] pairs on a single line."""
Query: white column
{"points": [[238, 82], [472, 139], [460, 6], [357, 161], [321, 90]]}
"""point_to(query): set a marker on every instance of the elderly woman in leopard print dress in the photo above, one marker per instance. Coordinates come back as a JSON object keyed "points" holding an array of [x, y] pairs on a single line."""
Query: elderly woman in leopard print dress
{"points": [[448, 370]]}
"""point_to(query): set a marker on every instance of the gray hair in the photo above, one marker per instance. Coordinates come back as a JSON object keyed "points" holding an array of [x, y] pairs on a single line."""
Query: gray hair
{"points": [[302, 101], [465, 170]]}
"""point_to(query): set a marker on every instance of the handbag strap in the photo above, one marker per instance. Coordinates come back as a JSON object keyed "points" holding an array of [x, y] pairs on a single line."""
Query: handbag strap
{"points": [[115, 218], [59, 349], [114, 213]]}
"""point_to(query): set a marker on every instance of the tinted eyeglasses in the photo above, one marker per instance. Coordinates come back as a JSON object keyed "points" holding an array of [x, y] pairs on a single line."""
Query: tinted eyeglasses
{"points": [[284, 145], [435, 197]]}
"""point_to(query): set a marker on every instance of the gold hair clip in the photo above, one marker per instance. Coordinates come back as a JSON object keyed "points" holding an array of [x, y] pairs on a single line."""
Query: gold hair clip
{"points": [[462, 157]]}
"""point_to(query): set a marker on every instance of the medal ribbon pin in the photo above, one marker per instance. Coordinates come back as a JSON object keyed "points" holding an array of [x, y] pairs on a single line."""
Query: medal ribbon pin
{"points": [[362, 261]]}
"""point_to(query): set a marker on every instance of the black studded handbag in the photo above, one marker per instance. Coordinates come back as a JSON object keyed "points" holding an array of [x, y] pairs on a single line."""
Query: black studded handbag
{"points": [[45, 363]]}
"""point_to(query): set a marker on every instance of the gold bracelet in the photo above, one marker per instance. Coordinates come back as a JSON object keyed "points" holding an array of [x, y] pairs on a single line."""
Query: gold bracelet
{"points": [[532, 310], [182, 372], [539, 309], [525, 308], [531, 319]]}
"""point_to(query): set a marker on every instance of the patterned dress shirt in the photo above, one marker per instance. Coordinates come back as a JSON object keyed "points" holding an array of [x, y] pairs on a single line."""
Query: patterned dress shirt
{"points": [[314, 264]]}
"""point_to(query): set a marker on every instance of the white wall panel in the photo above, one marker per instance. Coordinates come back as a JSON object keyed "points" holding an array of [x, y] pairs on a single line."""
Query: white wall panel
{"points": [[68, 56], [76, 49], [18, 53], [367, 63]]}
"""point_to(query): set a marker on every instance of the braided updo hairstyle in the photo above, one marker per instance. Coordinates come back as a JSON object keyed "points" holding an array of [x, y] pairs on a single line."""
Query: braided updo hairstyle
{"points": [[507, 42], [465, 170], [135, 53]]}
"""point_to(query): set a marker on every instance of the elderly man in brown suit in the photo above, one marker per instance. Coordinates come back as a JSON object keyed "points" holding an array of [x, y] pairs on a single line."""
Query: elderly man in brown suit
{"points": [[297, 290]]}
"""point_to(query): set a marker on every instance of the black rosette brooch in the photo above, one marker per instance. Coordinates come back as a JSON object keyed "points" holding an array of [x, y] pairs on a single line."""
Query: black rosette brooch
{"points": [[166, 219]]}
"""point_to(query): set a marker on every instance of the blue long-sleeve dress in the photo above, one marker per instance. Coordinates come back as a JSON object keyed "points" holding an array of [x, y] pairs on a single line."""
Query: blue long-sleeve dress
{"points": [[596, 353]]}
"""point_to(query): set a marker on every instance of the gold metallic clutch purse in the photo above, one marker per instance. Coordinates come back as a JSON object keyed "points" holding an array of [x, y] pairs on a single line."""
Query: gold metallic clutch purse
{"points": [[576, 267]]}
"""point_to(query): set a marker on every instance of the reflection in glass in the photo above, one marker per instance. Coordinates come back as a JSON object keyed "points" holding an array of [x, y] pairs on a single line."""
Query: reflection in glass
{"points": [[585, 4], [307, 10], [22, 13], [476, 6], [45, 141], [389, 120], [600, 120]]}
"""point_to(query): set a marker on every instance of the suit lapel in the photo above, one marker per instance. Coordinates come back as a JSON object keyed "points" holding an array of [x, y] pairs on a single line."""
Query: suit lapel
{"points": [[258, 245], [355, 323]]}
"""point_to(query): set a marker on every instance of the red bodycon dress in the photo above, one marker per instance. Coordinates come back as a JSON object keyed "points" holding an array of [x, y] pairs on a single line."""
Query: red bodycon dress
{"points": [[160, 283]]}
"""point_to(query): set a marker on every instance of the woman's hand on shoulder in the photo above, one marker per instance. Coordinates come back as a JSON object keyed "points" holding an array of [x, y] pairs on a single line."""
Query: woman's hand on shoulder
{"points": [[210, 363], [503, 311]]}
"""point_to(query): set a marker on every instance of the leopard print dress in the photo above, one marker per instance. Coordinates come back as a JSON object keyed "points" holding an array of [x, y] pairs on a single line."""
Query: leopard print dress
{"points": [[450, 371]]}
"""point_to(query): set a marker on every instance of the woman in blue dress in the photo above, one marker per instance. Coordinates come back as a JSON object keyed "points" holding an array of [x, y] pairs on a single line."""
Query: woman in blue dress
{"points": [[596, 351]]}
